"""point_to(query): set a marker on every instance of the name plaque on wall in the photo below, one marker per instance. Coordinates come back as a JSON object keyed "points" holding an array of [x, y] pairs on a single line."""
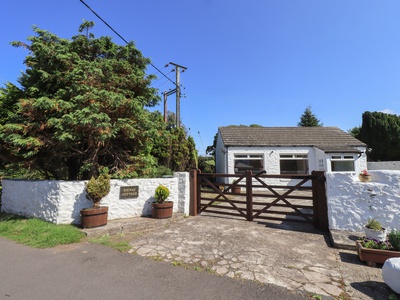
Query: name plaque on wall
{"points": [[127, 192]]}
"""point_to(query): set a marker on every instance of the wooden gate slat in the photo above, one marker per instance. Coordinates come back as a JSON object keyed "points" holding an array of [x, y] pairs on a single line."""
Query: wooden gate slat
{"points": [[290, 201]]}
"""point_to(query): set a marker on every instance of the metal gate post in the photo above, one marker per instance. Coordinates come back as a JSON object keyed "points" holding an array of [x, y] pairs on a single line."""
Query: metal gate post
{"points": [[249, 195]]}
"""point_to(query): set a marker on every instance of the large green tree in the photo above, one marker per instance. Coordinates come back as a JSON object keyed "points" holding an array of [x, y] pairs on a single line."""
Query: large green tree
{"points": [[308, 119], [381, 132], [81, 105]]}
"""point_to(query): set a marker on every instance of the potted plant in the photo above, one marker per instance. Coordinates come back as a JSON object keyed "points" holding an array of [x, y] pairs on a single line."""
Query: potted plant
{"points": [[96, 189], [364, 176], [161, 208], [235, 188], [374, 230], [373, 251]]}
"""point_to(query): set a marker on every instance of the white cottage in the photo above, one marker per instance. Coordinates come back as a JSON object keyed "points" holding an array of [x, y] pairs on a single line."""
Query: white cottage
{"points": [[288, 150]]}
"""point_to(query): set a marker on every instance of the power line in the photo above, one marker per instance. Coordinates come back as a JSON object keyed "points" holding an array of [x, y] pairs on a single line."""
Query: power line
{"points": [[83, 2]]}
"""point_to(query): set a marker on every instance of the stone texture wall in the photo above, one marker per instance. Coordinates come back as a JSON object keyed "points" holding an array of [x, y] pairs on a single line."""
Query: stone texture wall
{"points": [[351, 202], [60, 202], [384, 165]]}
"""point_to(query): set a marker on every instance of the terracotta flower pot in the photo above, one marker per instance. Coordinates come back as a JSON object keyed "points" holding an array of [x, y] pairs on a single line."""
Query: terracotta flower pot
{"points": [[94, 216], [372, 256], [162, 210]]}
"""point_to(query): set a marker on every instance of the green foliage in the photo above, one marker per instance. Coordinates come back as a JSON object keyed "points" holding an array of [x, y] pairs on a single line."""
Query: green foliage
{"points": [[374, 244], [374, 224], [106, 240], [381, 132], [175, 151], [308, 119], [98, 188], [207, 164], [80, 106], [37, 233], [394, 239], [161, 193], [211, 149], [355, 132]]}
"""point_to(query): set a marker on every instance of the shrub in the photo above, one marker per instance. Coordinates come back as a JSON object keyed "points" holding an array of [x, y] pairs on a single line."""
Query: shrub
{"points": [[394, 239], [374, 224], [161, 193], [98, 188]]}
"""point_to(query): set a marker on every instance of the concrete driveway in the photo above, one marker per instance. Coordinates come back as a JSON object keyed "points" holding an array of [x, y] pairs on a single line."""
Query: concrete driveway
{"points": [[289, 255]]}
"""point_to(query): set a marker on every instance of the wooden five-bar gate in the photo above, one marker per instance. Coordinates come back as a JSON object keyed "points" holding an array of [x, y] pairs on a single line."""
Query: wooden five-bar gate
{"points": [[295, 198]]}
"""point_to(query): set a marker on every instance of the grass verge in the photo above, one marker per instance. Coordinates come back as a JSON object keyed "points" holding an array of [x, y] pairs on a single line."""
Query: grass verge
{"points": [[118, 242], [37, 233]]}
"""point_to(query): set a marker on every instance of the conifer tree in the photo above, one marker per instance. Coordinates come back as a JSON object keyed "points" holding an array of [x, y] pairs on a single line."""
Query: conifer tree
{"points": [[381, 133], [308, 119], [80, 105]]}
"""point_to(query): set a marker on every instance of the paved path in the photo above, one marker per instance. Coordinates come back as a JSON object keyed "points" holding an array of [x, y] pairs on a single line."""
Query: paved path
{"points": [[88, 271], [296, 260]]}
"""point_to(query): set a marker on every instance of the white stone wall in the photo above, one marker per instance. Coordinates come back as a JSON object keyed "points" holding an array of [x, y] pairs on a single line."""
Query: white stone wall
{"points": [[351, 202], [384, 165], [60, 202]]}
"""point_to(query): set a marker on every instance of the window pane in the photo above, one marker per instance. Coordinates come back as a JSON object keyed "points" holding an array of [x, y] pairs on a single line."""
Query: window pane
{"points": [[294, 166], [255, 165], [342, 166]]}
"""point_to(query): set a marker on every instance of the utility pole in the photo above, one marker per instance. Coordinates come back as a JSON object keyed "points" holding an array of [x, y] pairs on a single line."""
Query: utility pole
{"points": [[178, 92], [166, 94]]}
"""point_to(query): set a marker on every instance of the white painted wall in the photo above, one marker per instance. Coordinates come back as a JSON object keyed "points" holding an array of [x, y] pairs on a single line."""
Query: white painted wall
{"points": [[384, 165], [60, 202], [351, 202], [220, 158], [225, 157]]}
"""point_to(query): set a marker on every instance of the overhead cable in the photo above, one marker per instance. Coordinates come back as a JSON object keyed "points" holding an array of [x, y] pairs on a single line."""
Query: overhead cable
{"points": [[123, 38]]}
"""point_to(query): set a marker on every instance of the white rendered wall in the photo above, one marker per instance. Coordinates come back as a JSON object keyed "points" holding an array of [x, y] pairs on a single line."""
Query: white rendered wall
{"points": [[220, 155], [60, 202], [351, 202], [384, 165], [271, 160]]}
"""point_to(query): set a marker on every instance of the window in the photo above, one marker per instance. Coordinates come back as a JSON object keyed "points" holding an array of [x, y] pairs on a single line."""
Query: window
{"points": [[253, 162], [342, 163], [294, 163], [321, 165]]}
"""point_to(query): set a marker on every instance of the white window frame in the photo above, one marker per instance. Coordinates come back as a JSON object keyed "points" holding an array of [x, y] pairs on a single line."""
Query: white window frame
{"points": [[294, 157], [248, 156], [342, 158]]}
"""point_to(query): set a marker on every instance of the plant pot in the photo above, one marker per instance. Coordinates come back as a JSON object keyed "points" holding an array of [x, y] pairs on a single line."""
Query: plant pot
{"points": [[376, 234], [364, 178], [236, 189], [373, 256], [162, 210], [94, 216]]}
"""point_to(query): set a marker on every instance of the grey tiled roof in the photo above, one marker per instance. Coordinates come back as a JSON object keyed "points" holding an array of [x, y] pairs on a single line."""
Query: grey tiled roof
{"points": [[328, 139]]}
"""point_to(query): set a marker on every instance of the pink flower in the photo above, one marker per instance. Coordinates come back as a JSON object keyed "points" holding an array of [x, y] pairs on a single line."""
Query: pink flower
{"points": [[365, 173]]}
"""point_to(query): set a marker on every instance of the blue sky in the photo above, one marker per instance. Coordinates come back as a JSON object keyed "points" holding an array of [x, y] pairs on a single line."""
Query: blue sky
{"points": [[248, 62]]}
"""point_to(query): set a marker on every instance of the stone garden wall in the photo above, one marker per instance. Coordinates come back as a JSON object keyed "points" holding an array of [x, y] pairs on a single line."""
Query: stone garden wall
{"points": [[351, 202], [60, 202]]}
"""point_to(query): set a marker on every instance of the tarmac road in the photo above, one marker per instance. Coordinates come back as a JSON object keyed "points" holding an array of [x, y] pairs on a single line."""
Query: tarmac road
{"points": [[88, 271]]}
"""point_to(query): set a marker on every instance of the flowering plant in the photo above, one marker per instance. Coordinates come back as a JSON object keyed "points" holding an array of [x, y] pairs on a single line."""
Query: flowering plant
{"points": [[364, 173], [375, 244]]}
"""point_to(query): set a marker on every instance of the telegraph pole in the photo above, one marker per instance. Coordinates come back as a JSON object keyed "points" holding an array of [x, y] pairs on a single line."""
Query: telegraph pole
{"points": [[166, 94], [178, 92]]}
